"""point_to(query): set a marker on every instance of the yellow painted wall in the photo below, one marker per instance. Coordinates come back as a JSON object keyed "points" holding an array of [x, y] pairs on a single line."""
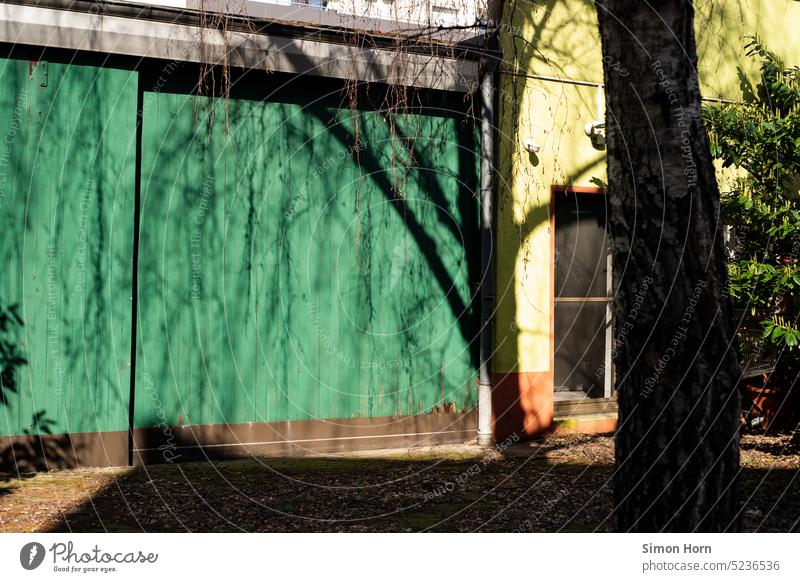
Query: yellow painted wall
{"points": [[720, 29], [560, 39]]}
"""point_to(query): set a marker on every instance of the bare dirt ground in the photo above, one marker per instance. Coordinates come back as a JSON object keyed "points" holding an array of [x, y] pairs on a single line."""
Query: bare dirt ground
{"points": [[558, 484]]}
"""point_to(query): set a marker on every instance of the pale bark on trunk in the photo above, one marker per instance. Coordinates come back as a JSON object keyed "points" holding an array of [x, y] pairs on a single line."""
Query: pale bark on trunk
{"points": [[675, 365]]}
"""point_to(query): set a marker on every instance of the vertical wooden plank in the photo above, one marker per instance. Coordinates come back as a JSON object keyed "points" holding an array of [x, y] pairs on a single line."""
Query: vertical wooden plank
{"points": [[69, 220]]}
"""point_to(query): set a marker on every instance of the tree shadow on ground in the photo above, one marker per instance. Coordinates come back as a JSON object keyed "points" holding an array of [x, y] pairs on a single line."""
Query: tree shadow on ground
{"points": [[548, 486], [36, 450]]}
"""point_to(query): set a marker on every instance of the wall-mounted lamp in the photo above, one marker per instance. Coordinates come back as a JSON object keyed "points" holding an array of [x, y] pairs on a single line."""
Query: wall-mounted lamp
{"points": [[531, 146], [596, 132]]}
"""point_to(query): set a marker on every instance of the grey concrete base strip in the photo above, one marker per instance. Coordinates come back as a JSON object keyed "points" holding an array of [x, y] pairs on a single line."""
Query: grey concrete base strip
{"points": [[170, 444], [465, 432]]}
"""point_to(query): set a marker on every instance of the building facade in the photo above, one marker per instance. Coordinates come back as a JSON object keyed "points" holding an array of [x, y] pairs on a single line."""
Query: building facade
{"points": [[424, 12], [260, 235], [553, 331], [218, 244]]}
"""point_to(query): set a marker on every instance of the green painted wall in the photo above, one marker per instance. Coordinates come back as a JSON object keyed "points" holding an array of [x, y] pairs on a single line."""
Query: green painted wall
{"points": [[67, 156], [287, 271], [278, 280]]}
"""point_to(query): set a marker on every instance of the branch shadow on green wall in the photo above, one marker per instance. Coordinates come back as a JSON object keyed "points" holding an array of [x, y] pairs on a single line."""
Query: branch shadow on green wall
{"points": [[271, 242]]}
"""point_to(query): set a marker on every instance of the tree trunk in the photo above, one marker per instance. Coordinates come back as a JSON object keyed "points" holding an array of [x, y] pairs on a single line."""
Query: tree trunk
{"points": [[676, 371]]}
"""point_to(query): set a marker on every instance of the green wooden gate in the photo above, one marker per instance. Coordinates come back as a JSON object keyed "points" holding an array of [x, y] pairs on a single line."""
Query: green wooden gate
{"points": [[287, 269], [67, 163], [280, 279]]}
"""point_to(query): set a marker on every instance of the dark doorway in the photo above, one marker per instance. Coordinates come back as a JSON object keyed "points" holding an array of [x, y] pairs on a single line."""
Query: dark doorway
{"points": [[582, 295]]}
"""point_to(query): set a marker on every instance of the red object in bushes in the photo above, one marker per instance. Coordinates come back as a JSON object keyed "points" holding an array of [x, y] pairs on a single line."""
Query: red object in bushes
{"points": [[776, 405]]}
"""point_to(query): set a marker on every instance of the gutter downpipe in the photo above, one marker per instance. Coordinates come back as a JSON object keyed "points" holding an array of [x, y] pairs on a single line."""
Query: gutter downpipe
{"points": [[487, 286]]}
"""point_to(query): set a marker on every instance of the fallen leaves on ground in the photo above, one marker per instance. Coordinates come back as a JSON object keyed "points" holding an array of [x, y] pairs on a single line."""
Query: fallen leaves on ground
{"points": [[556, 484]]}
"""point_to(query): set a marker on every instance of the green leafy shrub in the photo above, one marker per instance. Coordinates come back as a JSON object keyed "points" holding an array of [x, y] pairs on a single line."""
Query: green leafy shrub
{"points": [[760, 138]]}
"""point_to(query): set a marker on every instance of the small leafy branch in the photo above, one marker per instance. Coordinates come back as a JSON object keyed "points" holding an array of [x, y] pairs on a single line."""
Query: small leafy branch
{"points": [[778, 331]]}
